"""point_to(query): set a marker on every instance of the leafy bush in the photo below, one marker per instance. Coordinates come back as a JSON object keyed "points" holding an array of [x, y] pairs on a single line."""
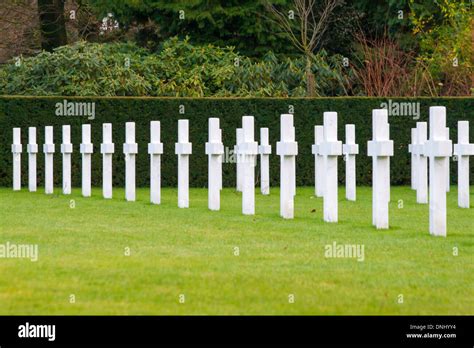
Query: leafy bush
{"points": [[179, 69]]}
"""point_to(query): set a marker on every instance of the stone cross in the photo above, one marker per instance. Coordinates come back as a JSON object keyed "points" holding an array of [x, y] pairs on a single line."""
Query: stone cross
{"points": [[86, 150], [107, 149], [463, 149], [155, 149], [16, 151], [413, 159], [330, 148], [48, 149], [265, 150], [66, 150], [287, 149], [214, 150], [350, 149], [219, 176], [380, 148], [249, 150], [130, 150], [32, 149], [421, 175], [239, 136], [183, 148], [448, 176], [318, 161], [438, 149]]}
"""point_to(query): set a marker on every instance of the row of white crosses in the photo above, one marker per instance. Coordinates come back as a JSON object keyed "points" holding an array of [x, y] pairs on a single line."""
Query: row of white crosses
{"points": [[107, 149], [438, 149], [326, 150]]}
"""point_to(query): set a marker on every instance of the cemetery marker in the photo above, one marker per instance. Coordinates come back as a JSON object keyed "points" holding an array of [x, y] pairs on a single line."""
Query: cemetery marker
{"points": [[183, 148], [330, 148], [130, 150], [86, 151], [48, 149], [380, 149], [214, 150], [287, 149], [350, 149], [265, 149], [155, 149], [32, 149], [107, 149], [66, 150], [463, 149]]}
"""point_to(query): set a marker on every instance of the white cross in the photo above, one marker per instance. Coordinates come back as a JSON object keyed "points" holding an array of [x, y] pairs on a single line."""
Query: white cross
{"points": [[130, 150], [86, 150], [330, 148], [48, 150], [413, 158], [32, 149], [438, 149], [214, 150], [265, 150], [318, 161], [155, 150], [107, 149], [17, 149], [350, 149], [463, 149], [239, 136], [66, 150], [421, 175], [249, 150], [183, 148], [380, 148], [287, 149]]}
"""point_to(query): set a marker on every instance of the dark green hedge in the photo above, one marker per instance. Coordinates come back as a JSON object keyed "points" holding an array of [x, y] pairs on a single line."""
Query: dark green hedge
{"points": [[40, 111]]}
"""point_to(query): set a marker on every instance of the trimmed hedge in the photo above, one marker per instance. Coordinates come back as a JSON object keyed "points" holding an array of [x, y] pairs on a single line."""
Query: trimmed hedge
{"points": [[40, 111]]}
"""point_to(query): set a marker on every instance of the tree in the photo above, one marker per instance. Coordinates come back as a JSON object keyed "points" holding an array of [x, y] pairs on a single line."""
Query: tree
{"points": [[52, 24], [236, 23], [305, 27]]}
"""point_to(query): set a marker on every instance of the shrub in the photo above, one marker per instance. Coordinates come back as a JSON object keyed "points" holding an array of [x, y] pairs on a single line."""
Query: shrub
{"points": [[179, 69]]}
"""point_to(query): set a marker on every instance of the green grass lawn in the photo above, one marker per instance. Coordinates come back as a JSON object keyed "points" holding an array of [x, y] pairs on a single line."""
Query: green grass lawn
{"points": [[192, 252]]}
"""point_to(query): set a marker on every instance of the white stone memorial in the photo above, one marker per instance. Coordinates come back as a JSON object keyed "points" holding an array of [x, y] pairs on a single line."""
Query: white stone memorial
{"points": [[265, 150], [380, 148], [130, 150], [155, 150], [330, 148], [413, 162], [86, 150], [214, 150], [183, 148], [287, 149], [48, 149], [107, 149], [350, 149], [66, 150], [448, 176], [239, 136], [438, 149], [32, 150], [318, 161], [249, 150], [421, 174], [17, 149], [463, 149]]}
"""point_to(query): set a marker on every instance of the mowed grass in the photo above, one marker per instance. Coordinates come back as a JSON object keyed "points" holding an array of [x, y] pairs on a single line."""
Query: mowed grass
{"points": [[192, 252]]}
